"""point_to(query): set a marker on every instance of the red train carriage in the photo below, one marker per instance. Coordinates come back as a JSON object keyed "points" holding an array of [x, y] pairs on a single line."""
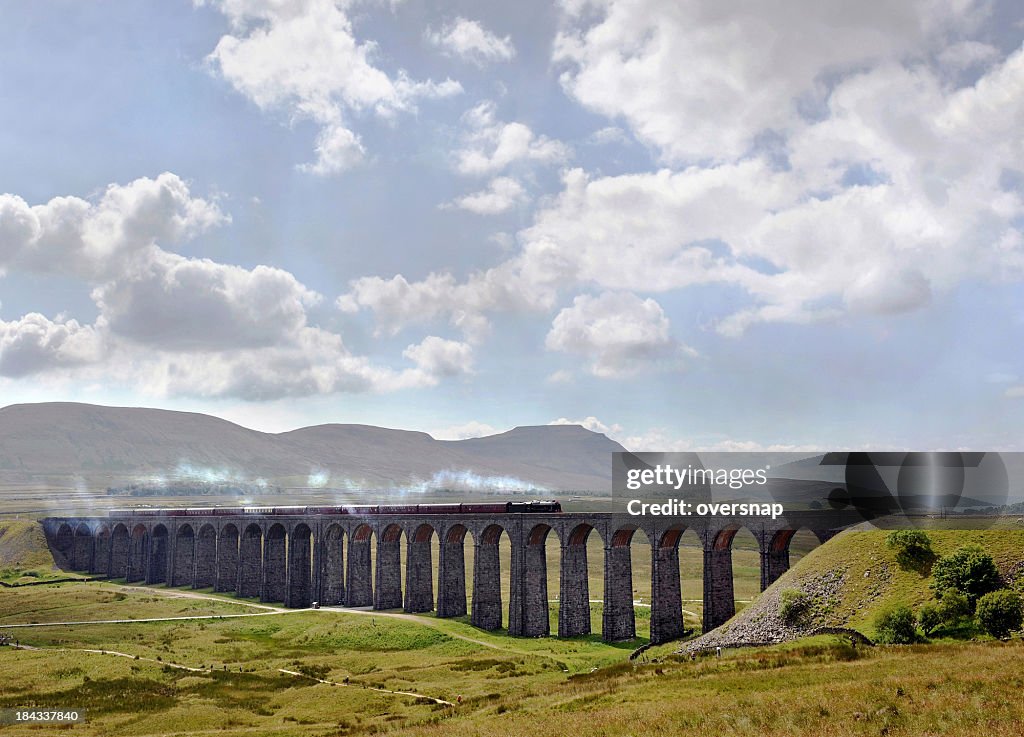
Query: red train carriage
{"points": [[532, 507]]}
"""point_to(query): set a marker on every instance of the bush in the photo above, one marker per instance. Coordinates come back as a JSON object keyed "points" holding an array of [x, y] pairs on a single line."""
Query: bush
{"points": [[969, 570], [913, 548], [794, 606], [999, 612], [929, 617], [896, 626], [954, 606]]}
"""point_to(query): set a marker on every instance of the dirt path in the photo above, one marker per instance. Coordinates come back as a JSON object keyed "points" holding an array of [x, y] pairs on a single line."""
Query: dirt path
{"points": [[271, 610], [147, 619], [174, 593], [191, 669], [368, 688]]}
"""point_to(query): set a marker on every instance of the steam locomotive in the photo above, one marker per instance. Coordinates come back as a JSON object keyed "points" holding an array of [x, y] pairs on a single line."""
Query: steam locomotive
{"points": [[531, 507]]}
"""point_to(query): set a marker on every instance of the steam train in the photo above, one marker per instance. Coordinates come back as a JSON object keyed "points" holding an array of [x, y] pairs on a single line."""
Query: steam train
{"points": [[531, 507]]}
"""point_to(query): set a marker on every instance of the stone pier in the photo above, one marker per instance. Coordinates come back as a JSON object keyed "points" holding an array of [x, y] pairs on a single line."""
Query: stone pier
{"points": [[388, 592], [356, 561]]}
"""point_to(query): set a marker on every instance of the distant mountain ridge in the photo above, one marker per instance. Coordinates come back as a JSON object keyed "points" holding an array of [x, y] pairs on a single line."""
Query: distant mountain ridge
{"points": [[121, 444]]}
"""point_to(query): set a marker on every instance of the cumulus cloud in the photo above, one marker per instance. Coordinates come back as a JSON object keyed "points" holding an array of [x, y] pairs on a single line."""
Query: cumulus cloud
{"points": [[562, 376], [620, 333], [337, 149], [663, 440], [197, 304], [900, 189], [659, 439], [492, 145], [178, 325], [590, 423], [470, 40], [315, 362], [701, 81], [501, 195], [438, 358], [35, 343], [76, 237], [303, 58], [888, 291], [471, 429], [397, 302]]}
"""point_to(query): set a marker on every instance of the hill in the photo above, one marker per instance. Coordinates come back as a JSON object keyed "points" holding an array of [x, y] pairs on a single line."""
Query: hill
{"points": [[852, 578], [107, 445]]}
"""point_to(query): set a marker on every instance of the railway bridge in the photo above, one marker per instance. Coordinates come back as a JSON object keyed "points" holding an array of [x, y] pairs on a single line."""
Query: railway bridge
{"points": [[301, 556]]}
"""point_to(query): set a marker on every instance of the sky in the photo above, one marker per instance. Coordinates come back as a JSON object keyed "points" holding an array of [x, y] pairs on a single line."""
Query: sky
{"points": [[722, 226]]}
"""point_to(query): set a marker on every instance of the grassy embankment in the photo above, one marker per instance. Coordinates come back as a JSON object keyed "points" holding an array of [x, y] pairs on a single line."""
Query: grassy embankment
{"points": [[24, 557], [509, 686], [873, 581]]}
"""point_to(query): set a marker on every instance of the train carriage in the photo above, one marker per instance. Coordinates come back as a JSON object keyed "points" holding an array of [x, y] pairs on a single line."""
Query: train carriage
{"points": [[531, 507]]}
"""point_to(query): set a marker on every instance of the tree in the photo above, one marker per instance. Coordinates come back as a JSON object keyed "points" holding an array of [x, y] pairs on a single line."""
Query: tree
{"points": [[999, 612], [895, 626], [929, 617], [969, 570], [953, 606], [913, 548]]}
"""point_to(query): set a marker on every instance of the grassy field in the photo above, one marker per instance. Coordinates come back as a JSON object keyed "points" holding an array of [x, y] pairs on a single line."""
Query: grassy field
{"points": [[224, 674], [498, 685]]}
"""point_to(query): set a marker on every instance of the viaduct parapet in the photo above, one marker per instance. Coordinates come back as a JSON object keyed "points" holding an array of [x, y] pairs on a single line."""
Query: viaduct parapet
{"points": [[297, 559]]}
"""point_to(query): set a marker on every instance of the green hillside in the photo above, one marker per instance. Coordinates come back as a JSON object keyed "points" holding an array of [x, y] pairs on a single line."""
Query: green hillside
{"points": [[24, 555], [854, 577]]}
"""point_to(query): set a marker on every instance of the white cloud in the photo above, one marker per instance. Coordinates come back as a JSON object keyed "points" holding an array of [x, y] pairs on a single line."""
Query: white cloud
{"points": [[888, 291], [34, 343], [470, 40], [176, 325], [337, 149], [197, 304], [492, 145], [303, 58], [76, 237], [621, 334], [701, 81], [397, 302], [439, 358], [471, 429], [315, 362], [609, 134], [562, 376], [897, 193], [658, 440], [501, 195], [662, 440], [590, 423], [968, 54]]}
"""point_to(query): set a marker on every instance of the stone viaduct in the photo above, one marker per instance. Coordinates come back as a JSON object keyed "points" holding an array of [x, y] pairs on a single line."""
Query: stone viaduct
{"points": [[300, 558]]}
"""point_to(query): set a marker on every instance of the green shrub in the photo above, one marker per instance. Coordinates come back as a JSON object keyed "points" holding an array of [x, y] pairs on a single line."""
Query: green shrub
{"points": [[913, 548], [929, 617], [999, 612], [895, 626], [794, 606], [969, 570], [954, 606], [318, 672]]}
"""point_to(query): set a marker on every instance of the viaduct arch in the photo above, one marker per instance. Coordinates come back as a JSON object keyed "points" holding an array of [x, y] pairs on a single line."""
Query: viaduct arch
{"points": [[299, 558]]}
